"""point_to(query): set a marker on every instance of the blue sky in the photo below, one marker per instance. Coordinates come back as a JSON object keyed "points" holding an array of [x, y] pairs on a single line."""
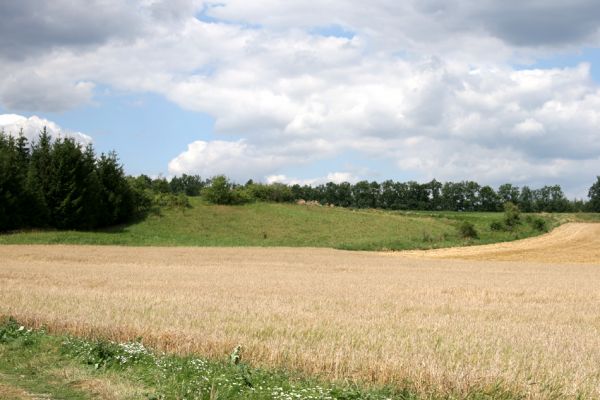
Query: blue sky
{"points": [[280, 91], [146, 130]]}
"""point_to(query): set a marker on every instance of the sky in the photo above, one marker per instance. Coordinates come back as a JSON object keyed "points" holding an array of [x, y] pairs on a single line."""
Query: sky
{"points": [[303, 92]]}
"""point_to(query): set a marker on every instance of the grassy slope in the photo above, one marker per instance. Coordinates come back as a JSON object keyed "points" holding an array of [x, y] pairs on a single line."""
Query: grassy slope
{"points": [[264, 224]]}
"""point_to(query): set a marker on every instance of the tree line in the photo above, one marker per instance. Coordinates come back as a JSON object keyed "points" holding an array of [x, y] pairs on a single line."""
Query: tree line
{"points": [[58, 183], [391, 195]]}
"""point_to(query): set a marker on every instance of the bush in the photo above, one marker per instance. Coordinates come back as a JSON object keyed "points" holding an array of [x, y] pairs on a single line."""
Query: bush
{"points": [[170, 200], [221, 191], [512, 215], [275, 192], [240, 195], [539, 224], [496, 226], [467, 230]]}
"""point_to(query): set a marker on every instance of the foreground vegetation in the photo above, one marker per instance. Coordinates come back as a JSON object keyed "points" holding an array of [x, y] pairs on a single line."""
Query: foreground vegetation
{"points": [[269, 224], [35, 364]]}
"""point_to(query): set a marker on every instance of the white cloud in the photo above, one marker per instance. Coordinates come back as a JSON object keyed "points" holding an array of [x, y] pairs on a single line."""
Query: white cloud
{"points": [[13, 124], [529, 128], [427, 85], [238, 160], [336, 177], [32, 92], [276, 179]]}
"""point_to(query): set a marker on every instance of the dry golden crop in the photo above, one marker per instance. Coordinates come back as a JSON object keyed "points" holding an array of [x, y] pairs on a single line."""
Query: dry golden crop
{"points": [[443, 326]]}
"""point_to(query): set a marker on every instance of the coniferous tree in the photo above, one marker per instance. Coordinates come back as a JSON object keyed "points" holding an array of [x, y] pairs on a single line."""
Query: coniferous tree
{"points": [[66, 191], [117, 196], [11, 184], [38, 179], [594, 196]]}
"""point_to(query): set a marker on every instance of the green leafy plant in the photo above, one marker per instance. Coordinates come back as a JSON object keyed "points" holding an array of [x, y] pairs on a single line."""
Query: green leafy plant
{"points": [[467, 230], [512, 215], [496, 226], [539, 224]]}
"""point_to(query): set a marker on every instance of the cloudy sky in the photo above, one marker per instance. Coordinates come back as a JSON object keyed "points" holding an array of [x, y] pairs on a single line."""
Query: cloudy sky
{"points": [[285, 90]]}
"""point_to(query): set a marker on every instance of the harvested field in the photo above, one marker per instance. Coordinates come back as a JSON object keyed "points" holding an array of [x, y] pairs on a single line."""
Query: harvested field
{"points": [[569, 243], [443, 326]]}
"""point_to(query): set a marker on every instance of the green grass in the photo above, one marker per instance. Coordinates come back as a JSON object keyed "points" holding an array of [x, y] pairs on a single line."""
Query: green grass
{"points": [[268, 224], [65, 367]]}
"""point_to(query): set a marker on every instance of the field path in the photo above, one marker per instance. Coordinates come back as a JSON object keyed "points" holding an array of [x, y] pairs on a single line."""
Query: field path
{"points": [[569, 243]]}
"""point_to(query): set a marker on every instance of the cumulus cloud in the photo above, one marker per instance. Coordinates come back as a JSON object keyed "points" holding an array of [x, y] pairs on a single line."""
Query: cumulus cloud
{"points": [[35, 92], [13, 124], [422, 24], [541, 22], [427, 85], [30, 27], [238, 160], [336, 177]]}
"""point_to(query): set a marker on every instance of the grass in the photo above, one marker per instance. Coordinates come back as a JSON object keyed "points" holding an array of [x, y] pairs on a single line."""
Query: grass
{"points": [[34, 364], [266, 224], [437, 328]]}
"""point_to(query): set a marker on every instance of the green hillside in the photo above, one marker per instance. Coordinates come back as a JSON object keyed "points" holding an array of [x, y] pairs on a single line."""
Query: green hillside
{"points": [[270, 224]]}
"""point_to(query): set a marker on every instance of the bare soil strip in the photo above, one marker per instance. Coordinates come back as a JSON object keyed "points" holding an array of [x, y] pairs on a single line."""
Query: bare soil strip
{"points": [[569, 243]]}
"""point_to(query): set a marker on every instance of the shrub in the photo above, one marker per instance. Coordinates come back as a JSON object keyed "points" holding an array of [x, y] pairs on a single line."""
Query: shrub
{"points": [[496, 226], [219, 191], [539, 224], [512, 215], [467, 230], [170, 200], [240, 195], [276, 192]]}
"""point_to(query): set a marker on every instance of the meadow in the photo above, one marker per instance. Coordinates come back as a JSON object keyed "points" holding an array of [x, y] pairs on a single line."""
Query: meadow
{"points": [[438, 328], [269, 224]]}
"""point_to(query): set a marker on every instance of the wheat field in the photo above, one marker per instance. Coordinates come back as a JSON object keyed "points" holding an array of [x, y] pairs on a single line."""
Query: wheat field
{"points": [[438, 325]]}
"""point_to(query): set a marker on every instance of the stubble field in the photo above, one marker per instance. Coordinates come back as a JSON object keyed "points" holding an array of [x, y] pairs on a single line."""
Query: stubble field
{"points": [[440, 323]]}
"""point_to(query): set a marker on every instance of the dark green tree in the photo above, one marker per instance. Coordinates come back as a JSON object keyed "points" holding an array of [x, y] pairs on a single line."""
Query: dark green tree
{"points": [[508, 192], [488, 199], [362, 195], [435, 194], [161, 185], [68, 193], [526, 200], [12, 183], [117, 197], [191, 185], [594, 196]]}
